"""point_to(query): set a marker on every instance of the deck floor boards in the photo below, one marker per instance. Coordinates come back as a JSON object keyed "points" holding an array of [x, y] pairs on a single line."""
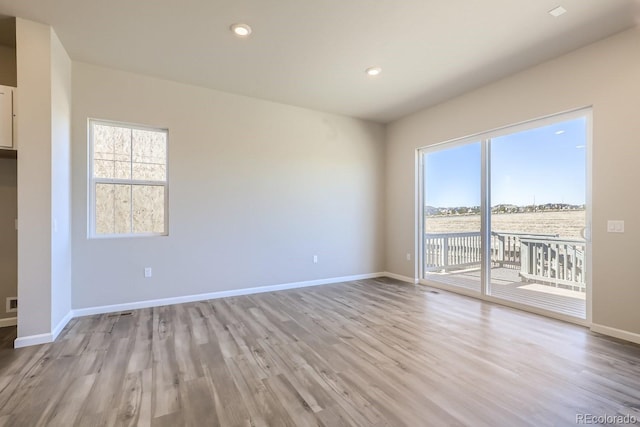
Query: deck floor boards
{"points": [[506, 284]]}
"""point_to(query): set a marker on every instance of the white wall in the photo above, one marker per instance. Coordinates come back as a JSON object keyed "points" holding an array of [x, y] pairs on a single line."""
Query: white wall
{"points": [[256, 189], [604, 75], [60, 181], [33, 42], [43, 109], [8, 234]]}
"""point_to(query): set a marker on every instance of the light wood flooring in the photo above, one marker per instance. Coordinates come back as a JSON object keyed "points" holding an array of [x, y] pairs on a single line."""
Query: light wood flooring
{"points": [[367, 353]]}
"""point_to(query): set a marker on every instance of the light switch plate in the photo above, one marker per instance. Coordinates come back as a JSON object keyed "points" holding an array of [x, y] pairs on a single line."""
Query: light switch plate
{"points": [[615, 226]]}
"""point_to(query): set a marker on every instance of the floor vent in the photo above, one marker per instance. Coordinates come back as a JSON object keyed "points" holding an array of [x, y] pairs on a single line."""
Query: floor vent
{"points": [[125, 313]]}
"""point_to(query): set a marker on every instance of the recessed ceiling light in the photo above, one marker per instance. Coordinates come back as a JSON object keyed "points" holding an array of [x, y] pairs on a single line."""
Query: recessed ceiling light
{"points": [[373, 71], [559, 132], [241, 30], [557, 11]]}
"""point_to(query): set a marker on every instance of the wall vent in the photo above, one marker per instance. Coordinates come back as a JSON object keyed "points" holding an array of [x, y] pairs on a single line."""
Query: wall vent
{"points": [[12, 304]]}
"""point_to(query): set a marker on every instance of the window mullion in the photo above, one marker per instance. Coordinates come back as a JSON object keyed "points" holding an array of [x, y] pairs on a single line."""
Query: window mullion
{"points": [[128, 181], [485, 215]]}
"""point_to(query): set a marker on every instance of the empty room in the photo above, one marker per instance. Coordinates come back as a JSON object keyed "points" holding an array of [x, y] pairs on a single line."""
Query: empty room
{"points": [[292, 213]]}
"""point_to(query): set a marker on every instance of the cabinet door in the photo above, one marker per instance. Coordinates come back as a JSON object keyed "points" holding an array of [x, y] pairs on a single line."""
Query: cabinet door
{"points": [[6, 117]]}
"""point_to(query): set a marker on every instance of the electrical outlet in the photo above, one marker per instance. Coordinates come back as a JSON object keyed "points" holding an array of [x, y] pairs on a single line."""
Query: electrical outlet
{"points": [[408, 256], [315, 259], [148, 272]]}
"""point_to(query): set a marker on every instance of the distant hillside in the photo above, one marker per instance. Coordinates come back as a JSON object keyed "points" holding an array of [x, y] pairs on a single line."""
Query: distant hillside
{"points": [[459, 210], [502, 208]]}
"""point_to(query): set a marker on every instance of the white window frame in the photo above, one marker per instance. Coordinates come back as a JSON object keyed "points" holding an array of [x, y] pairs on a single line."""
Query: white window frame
{"points": [[93, 181]]}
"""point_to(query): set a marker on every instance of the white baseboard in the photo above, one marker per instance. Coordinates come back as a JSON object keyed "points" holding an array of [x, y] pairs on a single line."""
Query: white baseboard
{"points": [[43, 338], [401, 278], [60, 326], [50, 337], [11, 321], [616, 333], [32, 340], [214, 295]]}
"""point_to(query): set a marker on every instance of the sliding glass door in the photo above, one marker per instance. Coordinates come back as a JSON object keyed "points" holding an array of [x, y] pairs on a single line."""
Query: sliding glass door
{"points": [[528, 186], [451, 216], [538, 217]]}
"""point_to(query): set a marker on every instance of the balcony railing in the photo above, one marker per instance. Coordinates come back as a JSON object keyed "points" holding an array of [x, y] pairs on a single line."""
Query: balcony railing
{"points": [[541, 258]]}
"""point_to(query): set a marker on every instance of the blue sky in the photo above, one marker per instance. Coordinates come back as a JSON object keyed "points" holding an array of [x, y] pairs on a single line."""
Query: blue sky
{"points": [[545, 164]]}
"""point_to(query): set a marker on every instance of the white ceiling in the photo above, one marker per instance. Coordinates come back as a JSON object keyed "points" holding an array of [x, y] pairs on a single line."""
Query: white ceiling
{"points": [[313, 53]]}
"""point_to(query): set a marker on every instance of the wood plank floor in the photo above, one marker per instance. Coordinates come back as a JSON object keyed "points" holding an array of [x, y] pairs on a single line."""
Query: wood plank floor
{"points": [[367, 353], [8, 335]]}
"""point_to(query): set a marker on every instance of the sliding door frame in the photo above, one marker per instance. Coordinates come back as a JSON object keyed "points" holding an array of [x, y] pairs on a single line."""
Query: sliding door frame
{"points": [[485, 215]]}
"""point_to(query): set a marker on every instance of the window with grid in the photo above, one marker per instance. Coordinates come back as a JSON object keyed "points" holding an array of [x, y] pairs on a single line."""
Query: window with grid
{"points": [[128, 180]]}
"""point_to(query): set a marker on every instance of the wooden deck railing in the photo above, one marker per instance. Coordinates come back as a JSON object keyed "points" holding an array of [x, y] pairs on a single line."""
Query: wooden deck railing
{"points": [[541, 258], [555, 261], [451, 251]]}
